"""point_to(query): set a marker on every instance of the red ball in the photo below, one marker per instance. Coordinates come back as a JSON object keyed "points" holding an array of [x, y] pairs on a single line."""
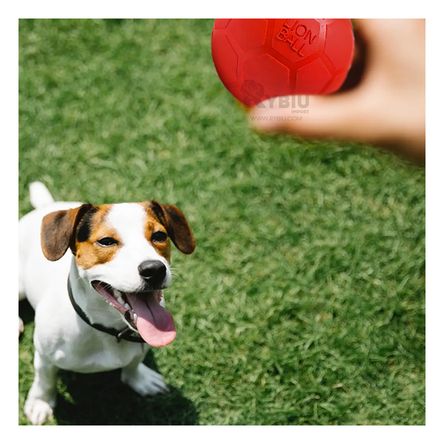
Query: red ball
{"points": [[261, 58]]}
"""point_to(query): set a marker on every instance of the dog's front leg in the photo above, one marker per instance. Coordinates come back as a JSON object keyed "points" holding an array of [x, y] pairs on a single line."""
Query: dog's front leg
{"points": [[142, 379], [42, 395]]}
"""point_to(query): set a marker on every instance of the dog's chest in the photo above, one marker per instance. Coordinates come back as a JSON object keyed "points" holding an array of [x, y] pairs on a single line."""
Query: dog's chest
{"points": [[89, 355]]}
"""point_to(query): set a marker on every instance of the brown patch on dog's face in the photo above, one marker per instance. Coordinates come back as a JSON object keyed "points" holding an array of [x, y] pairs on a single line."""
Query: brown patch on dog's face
{"points": [[92, 230], [175, 223], [156, 234]]}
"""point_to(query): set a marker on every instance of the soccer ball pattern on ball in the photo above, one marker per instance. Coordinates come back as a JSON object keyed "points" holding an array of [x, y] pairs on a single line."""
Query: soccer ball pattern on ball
{"points": [[261, 58]]}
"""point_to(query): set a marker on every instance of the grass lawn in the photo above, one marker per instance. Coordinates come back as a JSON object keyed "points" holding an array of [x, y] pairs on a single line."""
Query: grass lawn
{"points": [[304, 301]]}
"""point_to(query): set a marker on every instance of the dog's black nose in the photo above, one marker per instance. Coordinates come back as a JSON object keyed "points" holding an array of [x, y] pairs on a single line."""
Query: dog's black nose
{"points": [[153, 271]]}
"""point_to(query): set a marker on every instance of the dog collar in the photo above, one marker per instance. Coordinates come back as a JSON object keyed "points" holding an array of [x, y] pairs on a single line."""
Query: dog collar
{"points": [[126, 333]]}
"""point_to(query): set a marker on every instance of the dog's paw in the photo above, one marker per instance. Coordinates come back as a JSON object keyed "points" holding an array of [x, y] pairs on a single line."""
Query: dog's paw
{"points": [[144, 381], [37, 411]]}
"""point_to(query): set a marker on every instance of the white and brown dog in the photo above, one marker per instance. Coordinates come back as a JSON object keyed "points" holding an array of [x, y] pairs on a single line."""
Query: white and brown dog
{"points": [[100, 307]]}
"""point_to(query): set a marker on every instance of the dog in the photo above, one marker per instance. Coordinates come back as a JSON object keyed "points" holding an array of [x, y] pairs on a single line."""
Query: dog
{"points": [[94, 275]]}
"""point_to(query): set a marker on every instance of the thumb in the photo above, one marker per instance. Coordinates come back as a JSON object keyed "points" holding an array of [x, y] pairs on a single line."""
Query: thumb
{"points": [[340, 116]]}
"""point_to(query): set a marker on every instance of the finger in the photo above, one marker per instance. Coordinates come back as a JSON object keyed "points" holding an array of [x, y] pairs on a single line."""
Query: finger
{"points": [[386, 36], [342, 116]]}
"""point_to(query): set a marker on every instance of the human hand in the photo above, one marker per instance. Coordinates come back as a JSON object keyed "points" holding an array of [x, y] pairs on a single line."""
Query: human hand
{"points": [[386, 108]]}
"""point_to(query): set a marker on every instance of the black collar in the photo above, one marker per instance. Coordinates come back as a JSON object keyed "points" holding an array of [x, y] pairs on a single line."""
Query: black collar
{"points": [[126, 333]]}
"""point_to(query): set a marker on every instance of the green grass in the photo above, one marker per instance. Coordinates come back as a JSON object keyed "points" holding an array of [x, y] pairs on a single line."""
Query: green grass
{"points": [[304, 301]]}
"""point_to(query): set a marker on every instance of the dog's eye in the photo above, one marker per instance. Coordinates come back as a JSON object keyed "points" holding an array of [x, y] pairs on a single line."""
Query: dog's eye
{"points": [[107, 241], [159, 236]]}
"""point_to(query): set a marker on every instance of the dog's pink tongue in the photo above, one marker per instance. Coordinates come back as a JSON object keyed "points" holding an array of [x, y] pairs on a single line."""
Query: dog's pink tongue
{"points": [[154, 323]]}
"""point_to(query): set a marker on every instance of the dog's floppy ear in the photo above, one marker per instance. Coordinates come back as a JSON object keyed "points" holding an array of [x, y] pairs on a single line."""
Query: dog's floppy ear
{"points": [[58, 231], [176, 225]]}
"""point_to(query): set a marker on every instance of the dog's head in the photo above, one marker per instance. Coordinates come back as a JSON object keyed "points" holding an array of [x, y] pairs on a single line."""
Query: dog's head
{"points": [[124, 252]]}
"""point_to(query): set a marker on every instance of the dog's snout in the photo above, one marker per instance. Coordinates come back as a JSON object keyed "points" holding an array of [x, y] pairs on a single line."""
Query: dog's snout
{"points": [[153, 271]]}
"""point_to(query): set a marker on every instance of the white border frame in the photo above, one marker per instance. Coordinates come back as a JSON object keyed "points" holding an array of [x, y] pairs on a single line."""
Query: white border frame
{"points": [[433, 431]]}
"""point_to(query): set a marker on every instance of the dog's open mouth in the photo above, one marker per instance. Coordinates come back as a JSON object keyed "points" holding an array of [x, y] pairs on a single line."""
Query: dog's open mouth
{"points": [[143, 311]]}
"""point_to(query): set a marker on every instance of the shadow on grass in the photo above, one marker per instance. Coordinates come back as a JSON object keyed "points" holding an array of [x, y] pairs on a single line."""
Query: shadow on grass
{"points": [[102, 399], [26, 312]]}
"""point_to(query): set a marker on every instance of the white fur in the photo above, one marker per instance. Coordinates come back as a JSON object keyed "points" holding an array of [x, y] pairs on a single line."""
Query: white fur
{"points": [[39, 195], [61, 338]]}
